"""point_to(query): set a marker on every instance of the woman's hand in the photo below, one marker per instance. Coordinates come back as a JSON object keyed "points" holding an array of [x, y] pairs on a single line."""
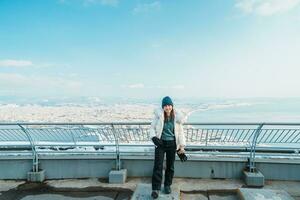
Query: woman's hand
{"points": [[181, 150], [181, 154]]}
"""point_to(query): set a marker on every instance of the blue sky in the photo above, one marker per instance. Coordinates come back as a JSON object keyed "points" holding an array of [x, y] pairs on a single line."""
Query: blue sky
{"points": [[141, 49]]}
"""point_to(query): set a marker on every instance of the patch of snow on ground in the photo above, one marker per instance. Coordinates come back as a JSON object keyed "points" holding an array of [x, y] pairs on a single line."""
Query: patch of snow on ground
{"points": [[6, 185]]}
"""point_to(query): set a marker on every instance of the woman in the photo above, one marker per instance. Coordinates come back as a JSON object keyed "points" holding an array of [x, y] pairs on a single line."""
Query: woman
{"points": [[167, 134]]}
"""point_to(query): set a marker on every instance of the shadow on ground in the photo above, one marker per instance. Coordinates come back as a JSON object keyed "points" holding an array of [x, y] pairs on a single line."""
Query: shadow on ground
{"points": [[32, 191]]}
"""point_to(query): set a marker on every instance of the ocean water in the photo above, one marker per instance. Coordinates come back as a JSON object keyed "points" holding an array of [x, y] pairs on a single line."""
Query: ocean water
{"points": [[251, 110]]}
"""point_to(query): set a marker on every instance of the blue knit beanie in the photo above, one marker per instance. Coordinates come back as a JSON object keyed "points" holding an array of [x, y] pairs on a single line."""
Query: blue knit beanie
{"points": [[166, 101]]}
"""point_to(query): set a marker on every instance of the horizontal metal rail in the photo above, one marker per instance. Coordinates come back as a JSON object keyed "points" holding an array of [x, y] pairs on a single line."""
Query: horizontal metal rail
{"points": [[125, 137]]}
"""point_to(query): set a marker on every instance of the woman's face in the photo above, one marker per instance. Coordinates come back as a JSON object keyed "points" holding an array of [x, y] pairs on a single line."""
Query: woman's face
{"points": [[168, 108]]}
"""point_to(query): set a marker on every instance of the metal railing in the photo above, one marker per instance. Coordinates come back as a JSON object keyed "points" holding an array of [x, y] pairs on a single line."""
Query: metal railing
{"points": [[132, 138]]}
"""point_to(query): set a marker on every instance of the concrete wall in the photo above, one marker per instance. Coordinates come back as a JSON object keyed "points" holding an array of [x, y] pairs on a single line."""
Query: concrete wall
{"points": [[85, 167], [15, 169]]}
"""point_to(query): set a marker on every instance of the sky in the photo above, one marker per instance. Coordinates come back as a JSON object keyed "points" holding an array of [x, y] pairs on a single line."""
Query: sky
{"points": [[150, 48]]}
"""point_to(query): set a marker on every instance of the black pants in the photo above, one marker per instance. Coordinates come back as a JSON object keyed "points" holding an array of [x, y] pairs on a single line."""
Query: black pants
{"points": [[169, 147]]}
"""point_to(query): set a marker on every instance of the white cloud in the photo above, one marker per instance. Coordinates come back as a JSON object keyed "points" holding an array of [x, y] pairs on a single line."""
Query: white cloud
{"points": [[27, 63], [15, 63], [146, 7], [266, 7], [15, 81]]}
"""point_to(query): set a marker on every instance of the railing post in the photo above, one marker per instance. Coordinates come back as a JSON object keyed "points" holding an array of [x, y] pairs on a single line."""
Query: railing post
{"points": [[73, 137], [253, 148], [206, 137], [35, 160], [118, 167]]}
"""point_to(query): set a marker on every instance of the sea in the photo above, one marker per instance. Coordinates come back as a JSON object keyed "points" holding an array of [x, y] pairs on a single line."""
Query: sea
{"points": [[258, 110]]}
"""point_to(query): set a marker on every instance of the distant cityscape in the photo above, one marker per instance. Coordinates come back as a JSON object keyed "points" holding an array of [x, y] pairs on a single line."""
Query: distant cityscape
{"points": [[96, 109]]}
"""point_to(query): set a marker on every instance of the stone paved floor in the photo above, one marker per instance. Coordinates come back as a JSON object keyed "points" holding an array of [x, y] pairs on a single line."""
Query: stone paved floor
{"points": [[99, 188]]}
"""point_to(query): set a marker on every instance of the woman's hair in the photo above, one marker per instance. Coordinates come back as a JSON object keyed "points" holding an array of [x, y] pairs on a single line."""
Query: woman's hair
{"points": [[172, 115]]}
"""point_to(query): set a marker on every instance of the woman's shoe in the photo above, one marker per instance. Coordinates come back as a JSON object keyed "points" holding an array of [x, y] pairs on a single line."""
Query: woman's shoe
{"points": [[167, 189], [155, 194]]}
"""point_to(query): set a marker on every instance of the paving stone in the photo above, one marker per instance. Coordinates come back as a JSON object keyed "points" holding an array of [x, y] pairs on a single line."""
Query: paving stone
{"points": [[143, 192], [263, 194], [187, 196]]}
